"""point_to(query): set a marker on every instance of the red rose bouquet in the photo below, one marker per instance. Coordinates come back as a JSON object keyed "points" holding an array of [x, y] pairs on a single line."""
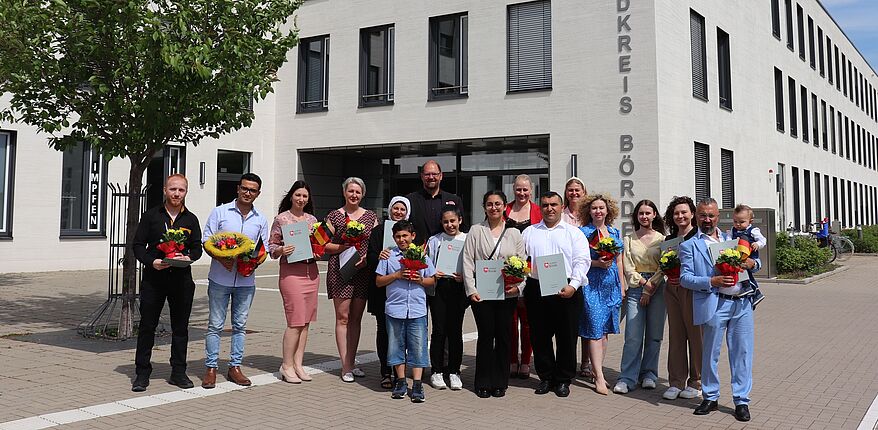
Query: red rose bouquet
{"points": [[413, 258], [173, 241]]}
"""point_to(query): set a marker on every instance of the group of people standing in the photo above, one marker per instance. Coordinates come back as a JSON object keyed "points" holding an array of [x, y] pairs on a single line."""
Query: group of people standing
{"points": [[699, 307]]}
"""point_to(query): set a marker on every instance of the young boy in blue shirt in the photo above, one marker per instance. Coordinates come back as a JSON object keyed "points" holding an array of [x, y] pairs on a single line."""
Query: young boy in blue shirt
{"points": [[406, 310]]}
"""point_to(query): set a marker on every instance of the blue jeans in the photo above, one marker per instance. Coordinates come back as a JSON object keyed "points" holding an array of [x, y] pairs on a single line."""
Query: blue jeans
{"points": [[734, 322], [407, 342], [644, 328], [219, 296]]}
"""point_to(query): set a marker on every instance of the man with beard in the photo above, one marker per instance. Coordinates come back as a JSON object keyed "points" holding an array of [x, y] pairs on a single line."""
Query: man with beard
{"points": [[427, 203], [162, 281], [718, 306]]}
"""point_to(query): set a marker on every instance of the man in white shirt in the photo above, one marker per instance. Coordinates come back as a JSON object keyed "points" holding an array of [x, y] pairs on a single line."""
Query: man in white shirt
{"points": [[718, 306], [555, 315]]}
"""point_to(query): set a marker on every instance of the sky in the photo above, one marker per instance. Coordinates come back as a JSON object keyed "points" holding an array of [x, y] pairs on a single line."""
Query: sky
{"points": [[859, 20]]}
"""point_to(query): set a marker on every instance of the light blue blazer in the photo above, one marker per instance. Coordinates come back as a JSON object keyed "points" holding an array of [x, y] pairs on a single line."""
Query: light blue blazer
{"points": [[695, 273]]}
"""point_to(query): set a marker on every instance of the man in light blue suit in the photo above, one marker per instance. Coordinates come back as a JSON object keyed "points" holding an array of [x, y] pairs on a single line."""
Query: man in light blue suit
{"points": [[718, 306]]}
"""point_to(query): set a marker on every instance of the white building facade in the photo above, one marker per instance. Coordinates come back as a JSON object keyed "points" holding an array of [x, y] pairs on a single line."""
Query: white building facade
{"points": [[766, 103]]}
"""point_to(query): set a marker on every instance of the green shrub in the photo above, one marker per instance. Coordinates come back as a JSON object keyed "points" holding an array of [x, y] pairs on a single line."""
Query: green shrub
{"points": [[803, 255], [869, 242]]}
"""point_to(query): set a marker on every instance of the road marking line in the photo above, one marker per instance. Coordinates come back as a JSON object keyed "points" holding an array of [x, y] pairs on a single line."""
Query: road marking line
{"points": [[147, 401], [870, 420]]}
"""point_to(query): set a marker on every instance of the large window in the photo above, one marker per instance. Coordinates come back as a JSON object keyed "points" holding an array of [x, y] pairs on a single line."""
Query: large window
{"points": [[376, 66], [815, 133], [813, 57], [820, 51], [313, 94], [7, 169], [702, 171], [775, 18], [824, 125], [724, 68], [230, 165], [83, 198], [170, 160], [529, 46], [788, 9], [448, 57], [699, 55], [778, 100], [832, 130], [797, 208], [727, 162], [792, 95], [829, 58], [806, 181], [804, 99], [800, 27]]}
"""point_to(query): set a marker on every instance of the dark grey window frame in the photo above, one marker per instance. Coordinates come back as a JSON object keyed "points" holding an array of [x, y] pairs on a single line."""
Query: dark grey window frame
{"points": [[702, 170], [800, 30], [322, 105], [387, 74], [797, 209], [727, 165], [822, 61], [829, 61], [778, 100], [824, 125], [815, 126], [100, 229], [516, 81], [775, 18], [788, 12], [832, 128], [803, 99], [724, 68], [794, 119], [460, 51], [9, 183], [812, 59], [698, 49]]}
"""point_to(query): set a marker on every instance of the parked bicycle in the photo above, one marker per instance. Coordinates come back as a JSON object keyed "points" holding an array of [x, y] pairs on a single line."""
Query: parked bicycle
{"points": [[841, 247]]}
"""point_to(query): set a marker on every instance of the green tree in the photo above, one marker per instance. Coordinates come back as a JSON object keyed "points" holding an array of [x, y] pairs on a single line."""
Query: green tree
{"points": [[127, 77]]}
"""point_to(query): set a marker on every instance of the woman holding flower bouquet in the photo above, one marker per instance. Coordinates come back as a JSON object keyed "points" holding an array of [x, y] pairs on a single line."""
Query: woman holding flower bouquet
{"points": [[603, 294], [684, 337], [491, 240], [298, 281], [644, 300], [350, 227]]}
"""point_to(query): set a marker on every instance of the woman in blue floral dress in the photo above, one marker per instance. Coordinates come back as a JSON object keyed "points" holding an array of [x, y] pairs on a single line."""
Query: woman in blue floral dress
{"points": [[603, 294]]}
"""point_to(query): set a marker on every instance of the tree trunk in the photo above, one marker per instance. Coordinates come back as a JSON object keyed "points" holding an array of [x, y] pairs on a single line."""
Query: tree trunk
{"points": [[139, 164]]}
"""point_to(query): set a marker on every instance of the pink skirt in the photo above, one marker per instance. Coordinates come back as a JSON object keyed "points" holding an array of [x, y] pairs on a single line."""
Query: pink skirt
{"points": [[298, 287]]}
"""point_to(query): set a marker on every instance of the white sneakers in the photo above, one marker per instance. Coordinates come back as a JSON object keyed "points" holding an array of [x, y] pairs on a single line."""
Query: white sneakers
{"points": [[454, 382], [690, 393], [347, 377], [674, 392], [437, 381], [620, 388], [648, 383]]}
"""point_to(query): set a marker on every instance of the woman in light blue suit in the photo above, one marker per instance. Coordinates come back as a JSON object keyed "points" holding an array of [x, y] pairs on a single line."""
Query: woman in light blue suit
{"points": [[718, 306]]}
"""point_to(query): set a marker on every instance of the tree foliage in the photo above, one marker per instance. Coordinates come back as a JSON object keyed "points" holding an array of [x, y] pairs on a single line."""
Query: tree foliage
{"points": [[126, 76]]}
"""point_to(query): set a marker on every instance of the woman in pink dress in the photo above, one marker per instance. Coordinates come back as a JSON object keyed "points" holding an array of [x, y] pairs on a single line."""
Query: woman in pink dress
{"points": [[298, 281]]}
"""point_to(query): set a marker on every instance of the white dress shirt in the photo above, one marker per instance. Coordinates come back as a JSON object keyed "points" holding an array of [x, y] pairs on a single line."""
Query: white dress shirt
{"points": [[563, 238]]}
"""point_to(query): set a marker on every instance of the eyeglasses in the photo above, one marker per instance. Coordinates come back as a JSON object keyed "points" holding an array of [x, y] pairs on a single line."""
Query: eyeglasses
{"points": [[431, 174], [494, 205], [247, 190]]}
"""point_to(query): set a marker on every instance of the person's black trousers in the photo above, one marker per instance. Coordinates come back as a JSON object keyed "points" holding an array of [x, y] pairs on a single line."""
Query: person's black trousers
{"points": [[553, 316], [493, 319], [381, 341], [178, 289], [447, 309]]}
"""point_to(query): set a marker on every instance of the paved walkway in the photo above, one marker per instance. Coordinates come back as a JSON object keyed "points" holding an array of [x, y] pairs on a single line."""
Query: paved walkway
{"points": [[815, 368]]}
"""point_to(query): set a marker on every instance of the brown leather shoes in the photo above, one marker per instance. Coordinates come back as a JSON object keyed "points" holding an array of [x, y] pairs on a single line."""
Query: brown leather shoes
{"points": [[237, 377], [209, 379]]}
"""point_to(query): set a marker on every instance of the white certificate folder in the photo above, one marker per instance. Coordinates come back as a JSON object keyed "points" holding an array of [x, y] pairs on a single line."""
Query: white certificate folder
{"points": [[551, 272], [489, 279]]}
